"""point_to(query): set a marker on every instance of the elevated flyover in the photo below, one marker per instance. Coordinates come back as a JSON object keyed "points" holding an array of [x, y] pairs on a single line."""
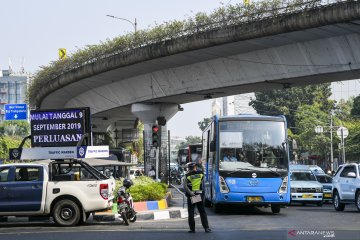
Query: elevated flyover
{"points": [[314, 45]]}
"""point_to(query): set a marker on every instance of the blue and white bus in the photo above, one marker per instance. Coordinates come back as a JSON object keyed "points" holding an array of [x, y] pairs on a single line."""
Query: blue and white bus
{"points": [[246, 161]]}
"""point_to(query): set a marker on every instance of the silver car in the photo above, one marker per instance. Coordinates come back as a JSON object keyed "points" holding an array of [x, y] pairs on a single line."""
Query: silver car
{"points": [[346, 186]]}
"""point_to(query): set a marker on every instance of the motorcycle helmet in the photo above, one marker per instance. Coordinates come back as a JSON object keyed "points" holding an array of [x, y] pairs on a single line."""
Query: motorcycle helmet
{"points": [[127, 183]]}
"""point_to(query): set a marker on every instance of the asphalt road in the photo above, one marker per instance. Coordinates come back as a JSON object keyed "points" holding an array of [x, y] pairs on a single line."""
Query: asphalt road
{"points": [[294, 222]]}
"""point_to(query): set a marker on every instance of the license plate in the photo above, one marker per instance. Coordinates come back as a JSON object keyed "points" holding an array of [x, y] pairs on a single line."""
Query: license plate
{"points": [[254, 199], [307, 196], [327, 195]]}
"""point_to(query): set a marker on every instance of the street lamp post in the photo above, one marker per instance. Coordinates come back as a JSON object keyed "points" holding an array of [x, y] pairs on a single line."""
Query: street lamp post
{"points": [[342, 133], [320, 129], [331, 140], [132, 23]]}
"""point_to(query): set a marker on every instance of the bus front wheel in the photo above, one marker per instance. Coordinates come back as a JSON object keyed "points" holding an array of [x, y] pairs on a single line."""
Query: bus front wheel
{"points": [[207, 203], [217, 208], [275, 208]]}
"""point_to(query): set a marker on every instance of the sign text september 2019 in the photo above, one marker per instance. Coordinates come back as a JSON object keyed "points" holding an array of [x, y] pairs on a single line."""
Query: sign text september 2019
{"points": [[58, 127]]}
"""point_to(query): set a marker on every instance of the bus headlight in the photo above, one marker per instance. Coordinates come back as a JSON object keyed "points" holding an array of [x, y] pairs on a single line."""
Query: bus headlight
{"points": [[223, 186], [284, 185]]}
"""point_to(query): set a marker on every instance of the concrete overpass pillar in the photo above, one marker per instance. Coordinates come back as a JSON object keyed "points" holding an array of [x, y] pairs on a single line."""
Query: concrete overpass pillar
{"points": [[150, 114]]}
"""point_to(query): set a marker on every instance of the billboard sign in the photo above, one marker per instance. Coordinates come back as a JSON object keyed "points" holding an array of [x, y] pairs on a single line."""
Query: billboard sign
{"points": [[63, 127]]}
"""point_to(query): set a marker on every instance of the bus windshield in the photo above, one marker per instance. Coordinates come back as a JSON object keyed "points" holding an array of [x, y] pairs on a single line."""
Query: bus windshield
{"points": [[253, 146]]}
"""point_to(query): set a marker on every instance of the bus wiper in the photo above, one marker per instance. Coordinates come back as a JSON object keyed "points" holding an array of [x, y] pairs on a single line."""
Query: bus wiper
{"points": [[274, 171], [239, 169]]}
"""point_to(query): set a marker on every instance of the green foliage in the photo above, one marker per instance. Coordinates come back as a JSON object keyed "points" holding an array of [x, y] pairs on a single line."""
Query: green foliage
{"points": [[287, 101], [149, 192], [204, 123], [222, 17], [352, 142], [343, 108], [7, 142], [355, 111], [15, 128], [307, 118], [144, 189]]}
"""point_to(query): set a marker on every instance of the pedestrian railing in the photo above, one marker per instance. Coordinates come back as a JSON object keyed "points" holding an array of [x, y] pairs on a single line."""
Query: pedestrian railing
{"points": [[182, 194]]}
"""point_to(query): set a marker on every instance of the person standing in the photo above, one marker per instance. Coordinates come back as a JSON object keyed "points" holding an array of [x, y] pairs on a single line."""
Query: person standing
{"points": [[152, 173], [229, 156], [193, 187]]}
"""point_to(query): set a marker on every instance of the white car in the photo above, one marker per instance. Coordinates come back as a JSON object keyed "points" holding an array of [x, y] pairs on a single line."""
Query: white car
{"points": [[304, 186], [346, 186]]}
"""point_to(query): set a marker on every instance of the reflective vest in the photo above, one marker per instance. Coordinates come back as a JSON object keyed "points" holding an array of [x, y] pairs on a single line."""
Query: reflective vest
{"points": [[194, 180]]}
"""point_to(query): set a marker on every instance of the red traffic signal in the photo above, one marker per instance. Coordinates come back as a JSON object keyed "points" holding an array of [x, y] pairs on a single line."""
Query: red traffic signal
{"points": [[155, 129], [155, 136]]}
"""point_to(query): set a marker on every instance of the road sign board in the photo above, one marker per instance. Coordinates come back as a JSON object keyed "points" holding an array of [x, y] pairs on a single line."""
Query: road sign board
{"points": [[15, 112], [319, 129], [62, 53], [342, 132]]}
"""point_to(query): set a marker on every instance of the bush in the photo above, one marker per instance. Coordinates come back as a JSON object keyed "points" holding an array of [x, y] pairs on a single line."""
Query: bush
{"points": [[149, 192], [144, 189]]}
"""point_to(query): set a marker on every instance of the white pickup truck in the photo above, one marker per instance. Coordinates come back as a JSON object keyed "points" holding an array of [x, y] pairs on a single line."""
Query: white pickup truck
{"points": [[67, 190]]}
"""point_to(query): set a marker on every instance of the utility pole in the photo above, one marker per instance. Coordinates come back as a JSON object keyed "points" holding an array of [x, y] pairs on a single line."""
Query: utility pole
{"points": [[331, 143]]}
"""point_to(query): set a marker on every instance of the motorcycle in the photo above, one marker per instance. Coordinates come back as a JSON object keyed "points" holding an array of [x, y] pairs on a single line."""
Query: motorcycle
{"points": [[175, 177], [126, 203]]}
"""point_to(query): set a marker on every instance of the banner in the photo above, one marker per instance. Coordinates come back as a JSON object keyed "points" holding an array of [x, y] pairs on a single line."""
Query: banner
{"points": [[65, 127], [59, 153]]}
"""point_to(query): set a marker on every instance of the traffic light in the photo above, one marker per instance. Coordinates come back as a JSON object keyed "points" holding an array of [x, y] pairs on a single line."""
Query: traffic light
{"points": [[156, 133]]}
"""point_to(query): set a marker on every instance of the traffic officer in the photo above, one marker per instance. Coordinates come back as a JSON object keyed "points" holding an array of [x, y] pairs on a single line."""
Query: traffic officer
{"points": [[193, 186]]}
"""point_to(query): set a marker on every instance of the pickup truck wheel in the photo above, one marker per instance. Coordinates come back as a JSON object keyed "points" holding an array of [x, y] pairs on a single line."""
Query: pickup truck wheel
{"points": [[66, 213]]}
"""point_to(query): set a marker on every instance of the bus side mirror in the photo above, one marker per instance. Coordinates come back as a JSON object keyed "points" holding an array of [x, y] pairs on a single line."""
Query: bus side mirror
{"points": [[212, 146]]}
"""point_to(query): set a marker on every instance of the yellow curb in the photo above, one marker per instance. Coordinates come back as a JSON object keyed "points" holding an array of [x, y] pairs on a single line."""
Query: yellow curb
{"points": [[162, 204]]}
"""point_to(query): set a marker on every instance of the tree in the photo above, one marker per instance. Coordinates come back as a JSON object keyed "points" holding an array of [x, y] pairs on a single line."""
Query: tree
{"points": [[204, 123], [189, 140], [307, 118], [287, 101], [15, 128], [343, 109], [352, 142], [7, 142], [355, 111]]}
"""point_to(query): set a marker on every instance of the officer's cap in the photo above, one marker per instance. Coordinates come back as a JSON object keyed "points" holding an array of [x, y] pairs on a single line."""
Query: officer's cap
{"points": [[190, 165]]}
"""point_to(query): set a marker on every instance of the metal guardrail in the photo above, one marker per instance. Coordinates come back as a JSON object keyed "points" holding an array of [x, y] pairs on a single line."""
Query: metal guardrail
{"points": [[183, 195]]}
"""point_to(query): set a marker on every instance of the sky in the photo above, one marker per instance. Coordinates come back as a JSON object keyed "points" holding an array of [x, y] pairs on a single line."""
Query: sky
{"points": [[34, 30]]}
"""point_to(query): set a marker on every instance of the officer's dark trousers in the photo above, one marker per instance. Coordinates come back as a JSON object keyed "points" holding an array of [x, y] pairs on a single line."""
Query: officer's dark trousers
{"points": [[203, 216]]}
